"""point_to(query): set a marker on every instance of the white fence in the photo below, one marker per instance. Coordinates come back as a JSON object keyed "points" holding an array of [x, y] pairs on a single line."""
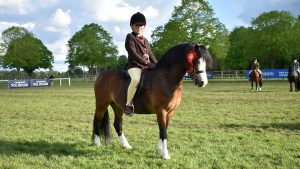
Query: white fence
{"points": [[69, 80]]}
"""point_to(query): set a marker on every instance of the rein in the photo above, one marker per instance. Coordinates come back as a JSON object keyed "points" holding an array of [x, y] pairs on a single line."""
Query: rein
{"points": [[175, 75]]}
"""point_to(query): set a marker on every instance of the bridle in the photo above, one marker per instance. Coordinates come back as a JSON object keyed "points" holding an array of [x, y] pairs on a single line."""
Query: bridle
{"points": [[191, 58]]}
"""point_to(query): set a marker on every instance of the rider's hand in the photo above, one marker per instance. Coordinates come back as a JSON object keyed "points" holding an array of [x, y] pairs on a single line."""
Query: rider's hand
{"points": [[146, 58]]}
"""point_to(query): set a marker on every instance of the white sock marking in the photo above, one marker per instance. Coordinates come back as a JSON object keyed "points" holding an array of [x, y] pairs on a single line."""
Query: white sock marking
{"points": [[97, 140], [163, 149], [124, 141]]}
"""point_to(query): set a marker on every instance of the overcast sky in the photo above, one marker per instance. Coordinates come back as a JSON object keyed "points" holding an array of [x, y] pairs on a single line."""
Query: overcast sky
{"points": [[56, 21]]}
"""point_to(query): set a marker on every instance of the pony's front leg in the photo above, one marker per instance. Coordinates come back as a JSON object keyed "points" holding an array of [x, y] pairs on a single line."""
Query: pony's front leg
{"points": [[118, 128], [260, 84], [162, 142], [256, 85], [291, 87]]}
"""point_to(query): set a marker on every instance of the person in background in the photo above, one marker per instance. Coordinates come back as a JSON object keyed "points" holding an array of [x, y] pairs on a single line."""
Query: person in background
{"points": [[255, 66], [295, 65]]}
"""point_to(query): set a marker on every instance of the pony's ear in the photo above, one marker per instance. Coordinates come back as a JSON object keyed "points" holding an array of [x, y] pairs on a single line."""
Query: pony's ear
{"points": [[197, 47]]}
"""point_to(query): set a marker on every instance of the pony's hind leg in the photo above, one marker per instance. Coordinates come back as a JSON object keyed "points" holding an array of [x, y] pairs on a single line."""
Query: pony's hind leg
{"points": [[118, 126], [101, 126], [96, 131]]}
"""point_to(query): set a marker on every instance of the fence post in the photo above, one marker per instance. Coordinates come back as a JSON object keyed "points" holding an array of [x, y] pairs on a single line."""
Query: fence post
{"points": [[221, 74]]}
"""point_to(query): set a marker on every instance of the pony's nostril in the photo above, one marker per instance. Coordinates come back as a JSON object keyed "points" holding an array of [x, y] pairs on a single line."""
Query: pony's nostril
{"points": [[201, 83]]}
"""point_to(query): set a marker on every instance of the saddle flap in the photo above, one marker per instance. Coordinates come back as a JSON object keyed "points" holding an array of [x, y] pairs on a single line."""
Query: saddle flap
{"points": [[143, 82]]}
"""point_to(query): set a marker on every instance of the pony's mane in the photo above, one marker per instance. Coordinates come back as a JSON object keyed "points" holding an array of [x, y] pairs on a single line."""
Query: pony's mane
{"points": [[174, 54]]}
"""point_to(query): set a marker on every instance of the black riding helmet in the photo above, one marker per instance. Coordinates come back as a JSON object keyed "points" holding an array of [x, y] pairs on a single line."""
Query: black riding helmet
{"points": [[138, 18]]}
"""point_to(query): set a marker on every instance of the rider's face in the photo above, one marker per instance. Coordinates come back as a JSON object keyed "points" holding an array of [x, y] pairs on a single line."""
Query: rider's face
{"points": [[255, 61], [138, 28], [295, 61]]}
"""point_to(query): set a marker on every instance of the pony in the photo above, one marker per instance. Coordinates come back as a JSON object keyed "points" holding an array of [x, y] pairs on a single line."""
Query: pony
{"points": [[293, 76], [161, 94], [254, 77]]}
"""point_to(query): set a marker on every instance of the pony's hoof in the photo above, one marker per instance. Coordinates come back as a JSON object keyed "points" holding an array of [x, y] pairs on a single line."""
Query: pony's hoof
{"points": [[166, 157], [127, 147], [124, 142], [97, 141]]}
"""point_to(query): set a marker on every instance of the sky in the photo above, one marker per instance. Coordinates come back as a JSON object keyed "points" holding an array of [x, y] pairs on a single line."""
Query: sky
{"points": [[56, 21]]}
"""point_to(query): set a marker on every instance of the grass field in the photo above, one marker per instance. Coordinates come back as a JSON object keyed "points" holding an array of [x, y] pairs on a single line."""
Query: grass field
{"points": [[221, 126]]}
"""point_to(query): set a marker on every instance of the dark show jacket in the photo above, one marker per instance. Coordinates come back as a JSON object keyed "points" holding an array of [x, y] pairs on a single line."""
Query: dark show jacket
{"points": [[136, 49]]}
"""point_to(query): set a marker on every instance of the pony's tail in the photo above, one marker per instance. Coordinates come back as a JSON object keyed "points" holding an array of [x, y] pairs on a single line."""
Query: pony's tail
{"points": [[105, 129], [102, 128]]}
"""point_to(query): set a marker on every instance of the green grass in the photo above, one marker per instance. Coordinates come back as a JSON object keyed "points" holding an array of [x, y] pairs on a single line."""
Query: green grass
{"points": [[221, 126]]}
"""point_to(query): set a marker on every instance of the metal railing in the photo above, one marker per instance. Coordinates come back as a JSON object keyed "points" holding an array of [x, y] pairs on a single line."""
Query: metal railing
{"points": [[229, 74]]}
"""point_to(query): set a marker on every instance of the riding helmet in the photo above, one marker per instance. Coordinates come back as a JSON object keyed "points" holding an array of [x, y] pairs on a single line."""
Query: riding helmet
{"points": [[138, 18]]}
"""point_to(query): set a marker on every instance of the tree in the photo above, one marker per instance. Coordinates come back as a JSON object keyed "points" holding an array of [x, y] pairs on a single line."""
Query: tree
{"points": [[274, 30], [295, 41], [74, 71], [273, 38], [11, 34], [91, 46], [1, 52], [28, 53], [24, 51], [242, 48], [8, 35], [193, 21], [122, 61]]}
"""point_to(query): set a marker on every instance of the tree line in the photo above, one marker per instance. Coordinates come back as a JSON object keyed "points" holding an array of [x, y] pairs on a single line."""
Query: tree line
{"points": [[273, 37]]}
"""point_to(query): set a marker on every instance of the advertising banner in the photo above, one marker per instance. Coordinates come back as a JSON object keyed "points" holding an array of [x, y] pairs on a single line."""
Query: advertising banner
{"points": [[28, 83], [40, 82], [18, 84], [271, 73]]}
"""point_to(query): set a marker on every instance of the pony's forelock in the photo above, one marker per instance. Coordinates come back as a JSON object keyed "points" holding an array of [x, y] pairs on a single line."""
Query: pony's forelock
{"points": [[204, 53]]}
